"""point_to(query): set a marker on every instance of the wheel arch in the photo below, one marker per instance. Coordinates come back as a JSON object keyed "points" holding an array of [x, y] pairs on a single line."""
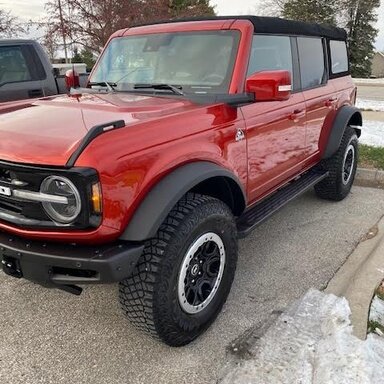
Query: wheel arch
{"points": [[199, 177], [347, 116]]}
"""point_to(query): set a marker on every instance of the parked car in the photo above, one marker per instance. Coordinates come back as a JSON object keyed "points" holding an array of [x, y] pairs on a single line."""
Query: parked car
{"points": [[189, 136], [26, 72]]}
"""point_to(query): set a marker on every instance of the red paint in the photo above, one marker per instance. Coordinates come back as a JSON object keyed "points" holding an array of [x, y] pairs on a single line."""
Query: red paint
{"points": [[283, 138]]}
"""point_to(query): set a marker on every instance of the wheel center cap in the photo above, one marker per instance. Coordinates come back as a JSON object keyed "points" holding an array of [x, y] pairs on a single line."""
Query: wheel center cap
{"points": [[195, 270]]}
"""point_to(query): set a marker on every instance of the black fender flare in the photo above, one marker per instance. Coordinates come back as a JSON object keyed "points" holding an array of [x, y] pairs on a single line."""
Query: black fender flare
{"points": [[347, 115], [160, 200]]}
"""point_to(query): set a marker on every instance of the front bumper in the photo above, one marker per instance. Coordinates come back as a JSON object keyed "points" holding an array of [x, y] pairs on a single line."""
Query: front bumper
{"points": [[56, 264]]}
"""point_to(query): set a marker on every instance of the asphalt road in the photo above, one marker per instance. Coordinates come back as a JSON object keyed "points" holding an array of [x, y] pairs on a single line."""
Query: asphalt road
{"points": [[370, 92], [49, 336]]}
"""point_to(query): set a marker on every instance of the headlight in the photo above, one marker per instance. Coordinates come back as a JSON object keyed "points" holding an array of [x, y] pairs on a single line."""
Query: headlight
{"points": [[63, 213]]}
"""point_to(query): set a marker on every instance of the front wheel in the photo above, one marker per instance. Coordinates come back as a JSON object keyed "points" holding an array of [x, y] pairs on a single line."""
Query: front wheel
{"points": [[184, 276], [341, 167]]}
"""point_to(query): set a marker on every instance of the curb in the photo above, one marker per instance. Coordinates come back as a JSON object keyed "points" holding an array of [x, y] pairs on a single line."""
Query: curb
{"points": [[369, 178], [359, 276]]}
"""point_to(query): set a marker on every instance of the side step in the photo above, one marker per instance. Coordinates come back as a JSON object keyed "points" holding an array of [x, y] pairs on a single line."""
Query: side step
{"points": [[254, 216]]}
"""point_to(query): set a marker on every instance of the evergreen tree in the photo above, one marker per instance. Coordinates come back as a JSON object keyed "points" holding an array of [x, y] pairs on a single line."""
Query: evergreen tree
{"points": [[313, 11], [76, 56], [361, 16], [356, 16], [180, 8]]}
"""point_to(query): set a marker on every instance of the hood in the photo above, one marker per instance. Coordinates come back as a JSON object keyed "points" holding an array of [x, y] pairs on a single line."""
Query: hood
{"points": [[47, 131]]}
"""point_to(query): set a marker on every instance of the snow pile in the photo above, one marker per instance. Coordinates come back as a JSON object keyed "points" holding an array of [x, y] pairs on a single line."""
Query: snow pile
{"points": [[376, 313], [370, 105], [312, 343], [372, 133]]}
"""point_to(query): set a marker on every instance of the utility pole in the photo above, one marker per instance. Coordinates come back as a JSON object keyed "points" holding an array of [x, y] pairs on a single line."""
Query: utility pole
{"points": [[63, 32]]}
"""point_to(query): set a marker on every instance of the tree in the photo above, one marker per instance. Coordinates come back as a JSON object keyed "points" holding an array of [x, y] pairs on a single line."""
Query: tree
{"points": [[356, 16], [360, 17], [313, 11], [10, 26], [76, 58], [89, 23], [190, 8]]}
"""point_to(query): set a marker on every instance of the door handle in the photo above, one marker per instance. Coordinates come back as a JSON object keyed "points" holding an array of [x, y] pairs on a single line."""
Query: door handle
{"points": [[35, 93], [331, 102], [297, 114]]}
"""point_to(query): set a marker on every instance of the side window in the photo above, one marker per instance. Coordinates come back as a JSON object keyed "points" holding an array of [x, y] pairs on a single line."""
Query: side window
{"points": [[270, 53], [312, 63], [339, 57], [13, 65]]}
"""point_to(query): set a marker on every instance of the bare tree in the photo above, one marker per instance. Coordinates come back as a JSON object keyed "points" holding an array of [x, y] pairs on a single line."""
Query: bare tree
{"points": [[10, 26], [89, 23]]}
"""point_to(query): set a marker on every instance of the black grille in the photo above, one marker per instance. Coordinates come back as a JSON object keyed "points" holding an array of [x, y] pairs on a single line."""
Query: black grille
{"points": [[5, 175], [23, 213]]}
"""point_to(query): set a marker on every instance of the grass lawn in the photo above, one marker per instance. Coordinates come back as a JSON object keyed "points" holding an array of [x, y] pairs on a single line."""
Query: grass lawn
{"points": [[371, 157]]}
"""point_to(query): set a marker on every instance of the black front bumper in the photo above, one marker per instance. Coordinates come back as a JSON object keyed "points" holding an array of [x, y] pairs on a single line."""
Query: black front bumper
{"points": [[55, 264]]}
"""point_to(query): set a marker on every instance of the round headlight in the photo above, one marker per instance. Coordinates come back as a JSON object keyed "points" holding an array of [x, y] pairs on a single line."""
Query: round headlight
{"points": [[64, 213]]}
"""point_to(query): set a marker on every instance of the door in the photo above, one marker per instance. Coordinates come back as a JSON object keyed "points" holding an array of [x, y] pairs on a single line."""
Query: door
{"points": [[275, 130], [319, 95], [20, 77]]}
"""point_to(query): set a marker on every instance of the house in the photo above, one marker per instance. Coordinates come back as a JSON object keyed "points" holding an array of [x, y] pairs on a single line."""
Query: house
{"points": [[378, 65]]}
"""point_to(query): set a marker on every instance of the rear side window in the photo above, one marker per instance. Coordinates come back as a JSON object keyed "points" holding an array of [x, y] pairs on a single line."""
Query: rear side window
{"points": [[270, 53], [13, 65], [339, 57], [312, 63]]}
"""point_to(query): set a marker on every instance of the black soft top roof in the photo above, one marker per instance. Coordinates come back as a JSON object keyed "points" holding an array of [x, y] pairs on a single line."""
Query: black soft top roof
{"points": [[279, 26]]}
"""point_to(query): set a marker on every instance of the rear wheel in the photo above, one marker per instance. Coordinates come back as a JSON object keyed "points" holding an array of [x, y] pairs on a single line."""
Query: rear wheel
{"points": [[185, 273], [341, 167]]}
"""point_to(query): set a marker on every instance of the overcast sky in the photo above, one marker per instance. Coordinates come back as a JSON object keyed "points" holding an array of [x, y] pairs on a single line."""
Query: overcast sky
{"points": [[34, 9]]}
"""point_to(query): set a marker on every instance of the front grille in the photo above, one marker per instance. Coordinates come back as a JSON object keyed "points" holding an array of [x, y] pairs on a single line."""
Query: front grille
{"points": [[5, 175], [30, 214]]}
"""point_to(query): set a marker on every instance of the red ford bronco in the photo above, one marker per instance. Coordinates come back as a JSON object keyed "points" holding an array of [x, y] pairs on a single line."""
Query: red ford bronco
{"points": [[188, 135]]}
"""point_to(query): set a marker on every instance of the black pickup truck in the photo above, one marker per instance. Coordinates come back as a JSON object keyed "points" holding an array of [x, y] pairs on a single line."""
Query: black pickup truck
{"points": [[26, 72]]}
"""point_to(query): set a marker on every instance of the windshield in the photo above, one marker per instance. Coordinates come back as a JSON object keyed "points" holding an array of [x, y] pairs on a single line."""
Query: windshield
{"points": [[197, 62]]}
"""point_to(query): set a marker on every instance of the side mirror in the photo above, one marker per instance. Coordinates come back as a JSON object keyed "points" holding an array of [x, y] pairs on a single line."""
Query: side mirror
{"points": [[72, 79], [270, 85]]}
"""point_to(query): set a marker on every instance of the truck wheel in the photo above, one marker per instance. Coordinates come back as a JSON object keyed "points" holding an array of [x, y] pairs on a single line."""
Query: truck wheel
{"points": [[185, 273], [342, 169]]}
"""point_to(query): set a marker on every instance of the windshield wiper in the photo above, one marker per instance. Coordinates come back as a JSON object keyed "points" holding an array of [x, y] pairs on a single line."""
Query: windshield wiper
{"points": [[177, 90], [110, 85]]}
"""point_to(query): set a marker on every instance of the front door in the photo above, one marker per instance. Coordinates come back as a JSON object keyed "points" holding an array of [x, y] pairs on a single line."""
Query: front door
{"points": [[275, 130]]}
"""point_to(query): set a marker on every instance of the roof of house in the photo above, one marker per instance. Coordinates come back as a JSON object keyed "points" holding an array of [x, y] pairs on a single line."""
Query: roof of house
{"points": [[277, 25]]}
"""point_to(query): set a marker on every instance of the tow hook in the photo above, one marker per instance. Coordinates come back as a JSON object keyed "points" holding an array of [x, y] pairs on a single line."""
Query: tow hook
{"points": [[11, 267]]}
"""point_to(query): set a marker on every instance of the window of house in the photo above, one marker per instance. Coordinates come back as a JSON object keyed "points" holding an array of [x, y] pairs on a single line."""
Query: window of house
{"points": [[339, 57], [312, 63]]}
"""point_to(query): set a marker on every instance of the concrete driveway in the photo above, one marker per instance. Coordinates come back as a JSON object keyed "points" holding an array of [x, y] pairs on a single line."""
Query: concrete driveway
{"points": [[49, 336]]}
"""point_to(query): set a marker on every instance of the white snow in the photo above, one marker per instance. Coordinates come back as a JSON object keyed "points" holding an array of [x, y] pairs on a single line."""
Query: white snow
{"points": [[371, 105], [372, 133], [376, 312], [312, 343]]}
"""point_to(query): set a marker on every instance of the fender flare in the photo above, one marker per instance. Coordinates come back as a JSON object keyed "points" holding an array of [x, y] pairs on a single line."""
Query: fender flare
{"points": [[347, 115], [160, 200]]}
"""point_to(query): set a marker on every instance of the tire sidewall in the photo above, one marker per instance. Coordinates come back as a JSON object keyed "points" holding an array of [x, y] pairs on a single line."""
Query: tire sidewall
{"points": [[189, 231], [345, 188]]}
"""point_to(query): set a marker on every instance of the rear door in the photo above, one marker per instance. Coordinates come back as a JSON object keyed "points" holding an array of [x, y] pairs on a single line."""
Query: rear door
{"points": [[319, 95], [275, 129], [21, 73]]}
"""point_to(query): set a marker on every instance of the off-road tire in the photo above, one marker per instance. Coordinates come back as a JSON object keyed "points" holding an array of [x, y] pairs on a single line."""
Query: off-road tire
{"points": [[150, 296], [332, 187]]}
